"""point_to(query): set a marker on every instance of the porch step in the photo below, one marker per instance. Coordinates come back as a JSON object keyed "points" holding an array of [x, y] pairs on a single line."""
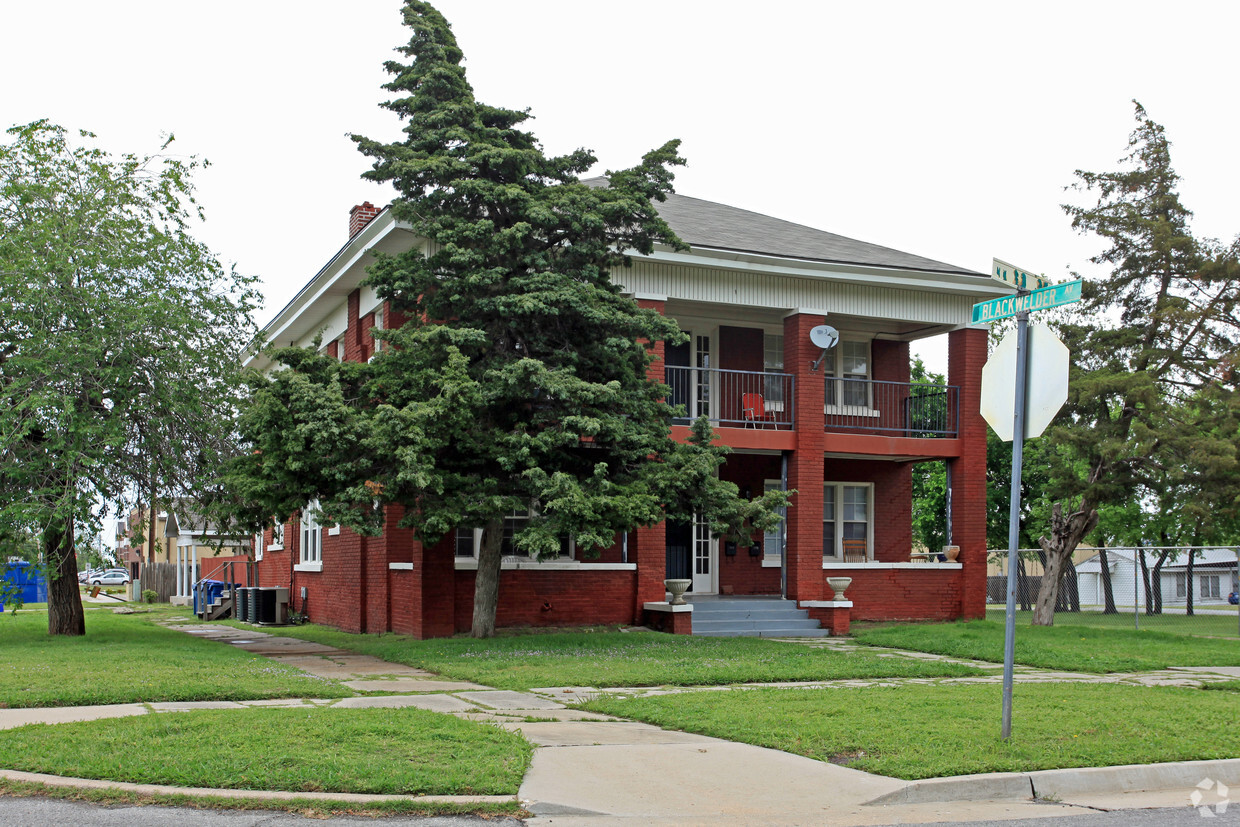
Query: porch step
{"points": [[752, 617]]}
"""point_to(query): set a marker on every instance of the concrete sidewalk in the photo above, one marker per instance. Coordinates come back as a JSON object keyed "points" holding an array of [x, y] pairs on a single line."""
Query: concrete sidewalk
{"points": [[590, 769]]}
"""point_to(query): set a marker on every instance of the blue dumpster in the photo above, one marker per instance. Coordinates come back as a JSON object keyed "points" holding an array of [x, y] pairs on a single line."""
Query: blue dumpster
{"points": [[26, 580], [206, 593]]}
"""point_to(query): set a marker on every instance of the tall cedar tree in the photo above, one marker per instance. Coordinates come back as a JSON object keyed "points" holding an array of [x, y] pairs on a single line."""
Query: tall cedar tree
{"points": [[514, 380], [1152, 403], [120, 337]]}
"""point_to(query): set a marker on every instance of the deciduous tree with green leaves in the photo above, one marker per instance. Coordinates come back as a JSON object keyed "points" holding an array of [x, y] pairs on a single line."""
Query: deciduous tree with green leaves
{"points": [[517, 382], [120, 337], [1152, 341]]}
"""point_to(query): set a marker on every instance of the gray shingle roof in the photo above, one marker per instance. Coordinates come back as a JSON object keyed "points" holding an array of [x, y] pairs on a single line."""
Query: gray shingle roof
{"points": [[710, 225]]}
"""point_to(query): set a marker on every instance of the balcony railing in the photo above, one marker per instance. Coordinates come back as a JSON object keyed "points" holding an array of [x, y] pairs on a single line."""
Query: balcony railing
{"points": [[732, 398], [914, 409], [753, 399]]}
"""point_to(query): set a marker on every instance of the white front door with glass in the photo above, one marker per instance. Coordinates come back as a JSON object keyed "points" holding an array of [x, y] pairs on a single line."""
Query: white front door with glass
{"points": [[704, 556]]}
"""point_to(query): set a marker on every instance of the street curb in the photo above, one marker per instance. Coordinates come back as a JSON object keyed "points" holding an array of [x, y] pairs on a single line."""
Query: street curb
{"points": [[257, 795], [1066, 783]]}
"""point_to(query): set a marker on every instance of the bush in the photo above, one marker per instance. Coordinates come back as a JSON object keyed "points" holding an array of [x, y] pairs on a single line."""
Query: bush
{"points": [[149, 595]]}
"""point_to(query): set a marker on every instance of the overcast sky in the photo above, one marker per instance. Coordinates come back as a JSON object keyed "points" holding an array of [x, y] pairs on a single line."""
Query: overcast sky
{"points": [[945, 129]]}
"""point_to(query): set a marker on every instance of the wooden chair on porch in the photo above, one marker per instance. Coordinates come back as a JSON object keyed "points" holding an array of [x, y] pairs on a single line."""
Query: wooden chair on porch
{"points": [[855, 551]]}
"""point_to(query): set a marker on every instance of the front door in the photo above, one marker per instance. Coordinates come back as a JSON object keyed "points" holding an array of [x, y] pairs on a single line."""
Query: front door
{"points": [[704, 558]]}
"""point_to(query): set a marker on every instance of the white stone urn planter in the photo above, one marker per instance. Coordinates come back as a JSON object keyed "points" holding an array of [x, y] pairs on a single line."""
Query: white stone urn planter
{"points": [[678, 589], [838, 584]]}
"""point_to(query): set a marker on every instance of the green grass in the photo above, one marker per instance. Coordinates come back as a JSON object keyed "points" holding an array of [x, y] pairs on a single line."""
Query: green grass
{"points": [[608, 658], [929, 731], [1213, 625], [311, 749], [1062, 647], [128, 659]]}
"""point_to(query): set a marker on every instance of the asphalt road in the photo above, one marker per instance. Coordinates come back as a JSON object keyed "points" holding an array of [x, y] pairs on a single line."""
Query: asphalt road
{"points": [[42, 812]]}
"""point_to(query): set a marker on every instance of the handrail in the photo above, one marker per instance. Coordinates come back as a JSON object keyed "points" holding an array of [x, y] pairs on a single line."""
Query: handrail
{"points": [[227, 567]]}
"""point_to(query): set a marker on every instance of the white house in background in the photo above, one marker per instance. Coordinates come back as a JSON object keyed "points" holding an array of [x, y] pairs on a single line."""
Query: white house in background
{"points": [[1214, 576]]}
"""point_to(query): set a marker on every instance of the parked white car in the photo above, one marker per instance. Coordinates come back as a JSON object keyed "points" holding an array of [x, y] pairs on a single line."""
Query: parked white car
{"points": [[110, 577]]}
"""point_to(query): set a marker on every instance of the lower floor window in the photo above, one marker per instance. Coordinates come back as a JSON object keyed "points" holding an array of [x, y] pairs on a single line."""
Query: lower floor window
{"points": [[1209, 585], [311, 534], [846, 519], [469, 540]]}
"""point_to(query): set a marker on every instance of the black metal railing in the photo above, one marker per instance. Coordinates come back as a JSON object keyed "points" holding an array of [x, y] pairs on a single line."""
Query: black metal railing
{"points": [[915, 409], [732, 398]]}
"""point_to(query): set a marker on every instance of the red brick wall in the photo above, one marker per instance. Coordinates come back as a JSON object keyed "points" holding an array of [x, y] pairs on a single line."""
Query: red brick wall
{"points": [[893, 502], [903, 594], [553, 598], [805, 466], [742, 573], [966, 355], [890, 361]]}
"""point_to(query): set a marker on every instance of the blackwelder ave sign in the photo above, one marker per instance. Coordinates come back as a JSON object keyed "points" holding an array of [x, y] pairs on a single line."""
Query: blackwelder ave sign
{"points": [[1053, 296]]}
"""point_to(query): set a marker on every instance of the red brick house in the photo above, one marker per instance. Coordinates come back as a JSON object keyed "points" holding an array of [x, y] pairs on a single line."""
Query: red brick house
{"points": [[842, 427]]}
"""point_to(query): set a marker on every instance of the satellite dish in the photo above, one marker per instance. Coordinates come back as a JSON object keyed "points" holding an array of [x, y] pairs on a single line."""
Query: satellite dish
{"points": [[824, 336]]}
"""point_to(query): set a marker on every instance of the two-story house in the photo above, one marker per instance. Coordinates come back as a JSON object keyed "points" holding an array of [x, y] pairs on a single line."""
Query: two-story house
{"points": [[841, 425]]}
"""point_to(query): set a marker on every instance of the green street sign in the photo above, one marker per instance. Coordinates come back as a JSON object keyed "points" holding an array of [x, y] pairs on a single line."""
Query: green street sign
{"points": [[1052, 296], [1015, 276]]}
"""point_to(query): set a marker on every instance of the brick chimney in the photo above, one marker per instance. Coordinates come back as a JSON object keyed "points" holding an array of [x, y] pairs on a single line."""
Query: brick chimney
{"points": [[360, 216]]}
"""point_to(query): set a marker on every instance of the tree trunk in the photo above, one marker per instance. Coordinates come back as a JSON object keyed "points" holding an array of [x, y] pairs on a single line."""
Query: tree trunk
{"points": [[64, 601], [1156, 577], [1066, 534], [1108, 592], [486, 584], [1022, 584], [1071, 586], [1145, 582], [1188, 585]]}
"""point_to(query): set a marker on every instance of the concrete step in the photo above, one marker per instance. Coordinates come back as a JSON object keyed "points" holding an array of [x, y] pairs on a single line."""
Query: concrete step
{"points": [[752, 622], [773, 632]]}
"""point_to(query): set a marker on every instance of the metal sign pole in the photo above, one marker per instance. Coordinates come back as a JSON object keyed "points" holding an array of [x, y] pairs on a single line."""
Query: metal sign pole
{"points": [[1018, 451]]}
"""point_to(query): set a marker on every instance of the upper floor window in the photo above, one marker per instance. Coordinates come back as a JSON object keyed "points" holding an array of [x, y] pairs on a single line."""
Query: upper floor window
{"points": [[848, 361], [773, 363], [277, 537]]}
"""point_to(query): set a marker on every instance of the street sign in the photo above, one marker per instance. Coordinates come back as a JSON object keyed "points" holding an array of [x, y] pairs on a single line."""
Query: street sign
{"points": [[1015, 276], [1046, 383], [1004, 306]]}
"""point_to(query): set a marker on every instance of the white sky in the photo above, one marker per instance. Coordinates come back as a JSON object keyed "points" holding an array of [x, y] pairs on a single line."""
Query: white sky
{"points": [[944, 129]]}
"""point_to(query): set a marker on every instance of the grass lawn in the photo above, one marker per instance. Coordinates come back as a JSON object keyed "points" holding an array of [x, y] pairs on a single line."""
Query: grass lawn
{"points": [[310, 749], [928, 731], [127, 659], [1062, 646], [609, 658], [1214, 625]]}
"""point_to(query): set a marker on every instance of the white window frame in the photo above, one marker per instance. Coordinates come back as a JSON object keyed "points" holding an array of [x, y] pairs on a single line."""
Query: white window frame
{"points": [[837, 553], [833, 371], [277, 538], [514, 518], [1181, 584], [310, 550], [1210, 586], [773, 362], [772, 550], [258, 547]]}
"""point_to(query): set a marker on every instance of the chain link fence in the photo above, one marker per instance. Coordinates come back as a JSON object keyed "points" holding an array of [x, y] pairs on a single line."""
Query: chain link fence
{"points": [[1183, 589]]}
